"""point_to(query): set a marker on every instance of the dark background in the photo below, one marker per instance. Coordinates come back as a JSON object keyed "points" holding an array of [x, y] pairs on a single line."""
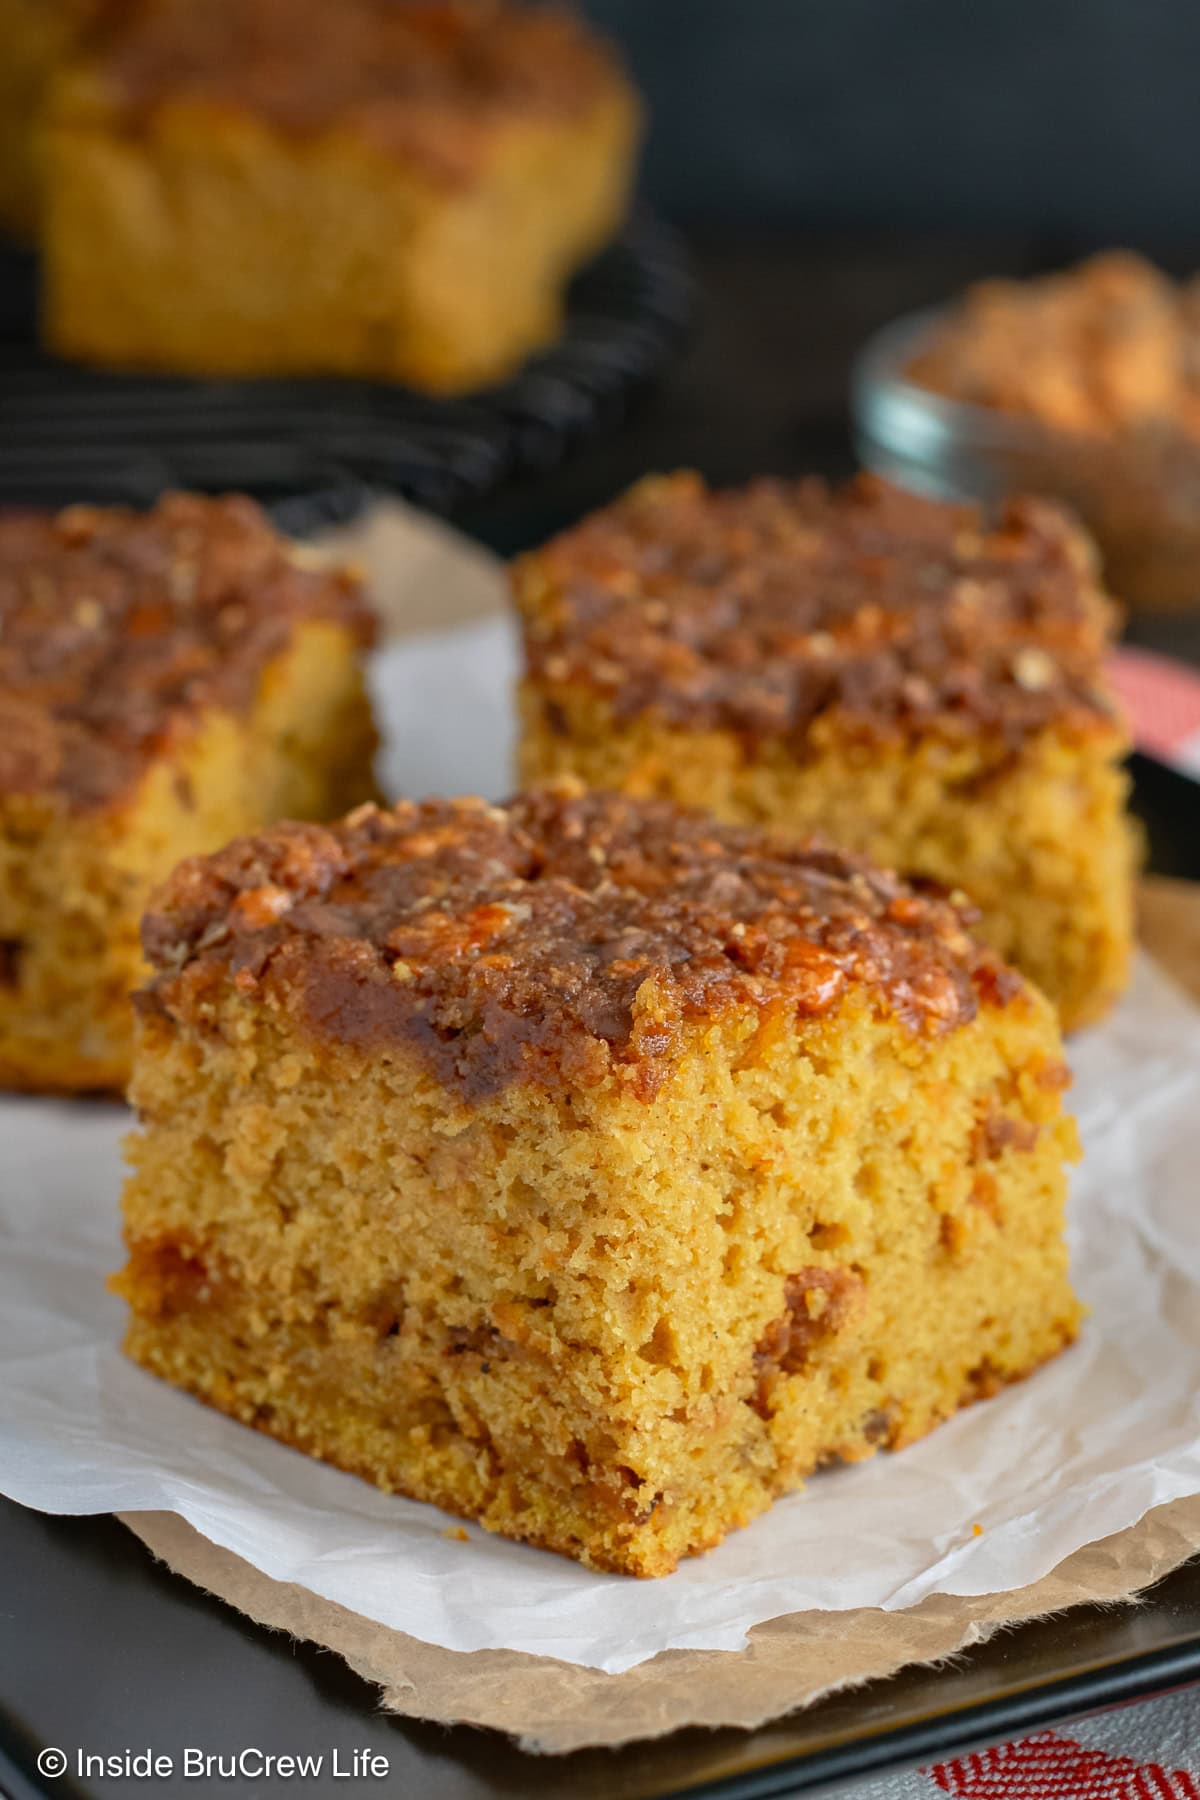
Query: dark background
{"points": [[1078, 120], [836, 163]]}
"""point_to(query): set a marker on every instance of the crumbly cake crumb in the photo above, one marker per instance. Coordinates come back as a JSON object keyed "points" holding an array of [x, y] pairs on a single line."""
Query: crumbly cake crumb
{"points": [[398, 190], [119, 629], [590, 1170], [167, 679], [923, 684]]}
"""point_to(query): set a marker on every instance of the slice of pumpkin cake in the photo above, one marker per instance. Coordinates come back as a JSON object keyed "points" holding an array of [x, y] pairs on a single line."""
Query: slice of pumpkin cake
{"points": [[585, 1167]]}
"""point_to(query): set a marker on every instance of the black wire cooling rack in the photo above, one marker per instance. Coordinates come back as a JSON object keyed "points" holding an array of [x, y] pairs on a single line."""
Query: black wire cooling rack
{"points": [[312, 449]]}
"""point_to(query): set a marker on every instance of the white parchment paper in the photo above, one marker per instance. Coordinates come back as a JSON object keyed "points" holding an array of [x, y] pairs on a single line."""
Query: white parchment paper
{"points": [[1082, 1449]]}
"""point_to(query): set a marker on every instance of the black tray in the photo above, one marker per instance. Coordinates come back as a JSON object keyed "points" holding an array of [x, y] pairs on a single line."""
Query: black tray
{"points": [[102, 1649], [312, 449]]}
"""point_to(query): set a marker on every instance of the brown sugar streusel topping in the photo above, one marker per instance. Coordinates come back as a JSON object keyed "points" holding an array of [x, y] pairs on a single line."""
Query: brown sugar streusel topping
{"points": [[762, 609], [565, 936], [118, 629], [1109, 349], [428, 80]]}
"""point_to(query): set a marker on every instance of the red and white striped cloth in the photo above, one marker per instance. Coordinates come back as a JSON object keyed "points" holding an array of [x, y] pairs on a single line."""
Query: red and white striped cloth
{"points": [[1146, 1751], [1162, 699]]}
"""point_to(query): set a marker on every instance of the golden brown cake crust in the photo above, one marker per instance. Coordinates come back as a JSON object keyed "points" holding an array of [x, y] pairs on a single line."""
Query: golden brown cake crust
{"points": [[567, 936], [118, 630], [427, 80], [762, 609]]}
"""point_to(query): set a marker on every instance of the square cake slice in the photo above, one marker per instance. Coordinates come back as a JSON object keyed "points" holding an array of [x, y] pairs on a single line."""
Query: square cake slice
{"points": [[167, 680], [922, 685], [397, 189], [584, 1167]]}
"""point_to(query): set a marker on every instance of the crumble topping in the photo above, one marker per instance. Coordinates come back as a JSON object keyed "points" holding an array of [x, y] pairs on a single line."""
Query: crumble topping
{"points": [[428, 80], [118, 628], [764, 608], [565, 936]]}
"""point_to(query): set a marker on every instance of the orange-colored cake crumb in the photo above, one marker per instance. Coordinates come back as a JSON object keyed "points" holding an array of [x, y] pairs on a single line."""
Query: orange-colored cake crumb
{"points": [[585, 1167], [922, 685], [167, 679], [389, 188]]}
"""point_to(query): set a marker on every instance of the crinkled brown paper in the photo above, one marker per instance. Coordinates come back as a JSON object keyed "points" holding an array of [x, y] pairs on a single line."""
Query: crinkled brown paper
{"points": [[425, 578]]}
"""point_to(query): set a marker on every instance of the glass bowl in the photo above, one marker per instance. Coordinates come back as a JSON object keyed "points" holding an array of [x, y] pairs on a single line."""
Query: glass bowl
{"points": [[1139, 494]]}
